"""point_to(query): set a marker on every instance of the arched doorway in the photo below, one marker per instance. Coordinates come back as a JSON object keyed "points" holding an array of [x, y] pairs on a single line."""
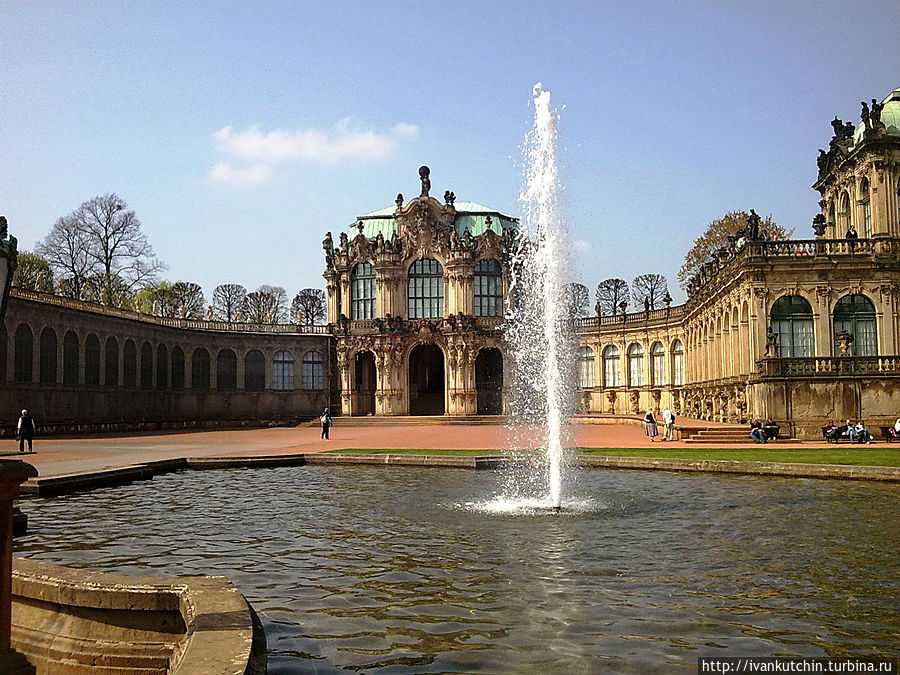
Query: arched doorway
{"points": [[426, 380], [364, 384], [489, 381]]}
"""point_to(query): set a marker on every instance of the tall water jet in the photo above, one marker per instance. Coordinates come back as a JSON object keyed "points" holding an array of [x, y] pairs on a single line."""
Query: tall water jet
{"points": [[539, 326]]}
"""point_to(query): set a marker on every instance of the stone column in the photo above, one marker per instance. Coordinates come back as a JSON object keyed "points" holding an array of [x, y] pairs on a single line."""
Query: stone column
{"points": [[12, 474]]}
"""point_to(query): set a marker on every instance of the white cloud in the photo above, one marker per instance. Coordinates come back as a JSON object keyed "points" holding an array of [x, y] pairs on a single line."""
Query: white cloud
{"points": [[341, 142], [256, 174], [582, 245]]}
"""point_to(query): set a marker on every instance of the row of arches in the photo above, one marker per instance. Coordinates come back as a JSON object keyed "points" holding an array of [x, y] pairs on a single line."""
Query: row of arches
{"points": [[93, 365], [634, 374], [425, 289]]}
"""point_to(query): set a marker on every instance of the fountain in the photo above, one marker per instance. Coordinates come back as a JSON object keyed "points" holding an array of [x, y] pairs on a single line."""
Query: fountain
{"points": [[538, 326]]}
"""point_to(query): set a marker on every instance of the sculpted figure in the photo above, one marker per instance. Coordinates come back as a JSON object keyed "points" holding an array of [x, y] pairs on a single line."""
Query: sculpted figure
{"points": [[424, 173], [379, 242], [753, 226], [867, 122], [399, 200], [344, 242], [4, 227]]}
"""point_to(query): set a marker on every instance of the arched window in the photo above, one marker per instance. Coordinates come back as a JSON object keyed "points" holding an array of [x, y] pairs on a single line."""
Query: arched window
{"points": [[426, 289], [657, 365], [146, 366], [254, 371], [162, 367], [92, 361], [843, 216], [489, 288], [635, 365], [856, 315], [200, 370], [283, 370], [313, 371], [226, 370], [47, 374], [611, 377], [177, 369], [865, 208], [362, 291], [585, 367], [677, 363], [111, 372], [71, 358], [129, 364], [792, 322], [23, 366]]}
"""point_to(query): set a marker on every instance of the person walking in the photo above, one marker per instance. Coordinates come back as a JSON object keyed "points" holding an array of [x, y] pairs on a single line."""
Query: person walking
{"points": [[326, 423], [25, 431], [668, 425], [650, 424]]}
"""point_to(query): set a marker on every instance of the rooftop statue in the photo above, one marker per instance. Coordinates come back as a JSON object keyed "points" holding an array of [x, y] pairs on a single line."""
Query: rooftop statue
{"points": [[424, 173], [753, 220], [399, 200], [865, 117]]}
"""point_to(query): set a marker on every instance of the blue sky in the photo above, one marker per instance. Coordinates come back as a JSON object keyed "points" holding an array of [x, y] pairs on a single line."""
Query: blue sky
{"points": [[241, 132]]}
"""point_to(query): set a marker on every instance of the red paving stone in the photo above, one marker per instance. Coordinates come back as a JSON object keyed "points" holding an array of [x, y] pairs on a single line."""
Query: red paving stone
{"points": [[55, 456]]}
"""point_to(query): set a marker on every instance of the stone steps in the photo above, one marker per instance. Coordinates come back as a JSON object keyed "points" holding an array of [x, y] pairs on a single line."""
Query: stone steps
{"points": [[730, 435], [415, 420]]}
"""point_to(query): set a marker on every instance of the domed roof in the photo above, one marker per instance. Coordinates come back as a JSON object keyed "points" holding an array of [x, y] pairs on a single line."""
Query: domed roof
{"points": [[890, 116], [469, 216]]}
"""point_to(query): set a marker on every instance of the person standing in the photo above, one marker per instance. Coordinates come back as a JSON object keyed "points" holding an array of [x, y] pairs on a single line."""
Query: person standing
{"points": [[668, 424], [325, 419], [650, 424], [25, 431]]}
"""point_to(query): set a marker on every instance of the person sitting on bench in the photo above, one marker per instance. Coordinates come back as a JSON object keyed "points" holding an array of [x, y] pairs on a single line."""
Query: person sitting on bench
{"points": [[861, 434], [770, 429]]}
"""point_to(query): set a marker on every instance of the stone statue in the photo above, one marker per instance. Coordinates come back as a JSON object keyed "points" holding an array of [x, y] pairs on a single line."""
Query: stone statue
{"points": [[771, 343], [399, 200], [822, 161], [753, 221], [865, 116], [647, 304], [597, 309], [298, 317], [344, 242], [209, 313], [467, 238], [488, 223], [395, 241], [424, 173], [239, 316], [454, 239], [845, 341], [328, 246], [818, 224], [875, 117], [379, 242], [4, 227]]}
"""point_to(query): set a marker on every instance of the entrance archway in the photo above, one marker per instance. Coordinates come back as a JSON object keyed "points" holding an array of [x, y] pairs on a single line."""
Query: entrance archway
{"points": [[364, 384], [426, 380], [489, 381]]}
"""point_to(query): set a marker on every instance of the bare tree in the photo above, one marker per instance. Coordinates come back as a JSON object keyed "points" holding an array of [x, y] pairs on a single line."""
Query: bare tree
{"points": [[610, 294], [33, 273], [266, 305], [650, 287], [188, 299], [65, 248], [227, 301], [576, 296], [308, 307]]}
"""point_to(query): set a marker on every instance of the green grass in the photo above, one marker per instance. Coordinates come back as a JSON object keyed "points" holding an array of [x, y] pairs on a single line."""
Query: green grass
{"points": [[857, 455]]}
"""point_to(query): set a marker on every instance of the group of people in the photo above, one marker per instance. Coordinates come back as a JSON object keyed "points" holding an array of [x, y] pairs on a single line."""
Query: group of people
{"points": [[857, 433], [763, 432], [652, 429]]}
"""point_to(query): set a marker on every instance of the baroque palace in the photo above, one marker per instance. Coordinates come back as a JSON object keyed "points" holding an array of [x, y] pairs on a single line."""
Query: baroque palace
{"points": [[802, 330]]}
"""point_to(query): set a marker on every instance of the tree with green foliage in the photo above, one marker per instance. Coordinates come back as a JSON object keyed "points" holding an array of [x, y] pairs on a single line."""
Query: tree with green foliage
{"points": [[33, 273]]}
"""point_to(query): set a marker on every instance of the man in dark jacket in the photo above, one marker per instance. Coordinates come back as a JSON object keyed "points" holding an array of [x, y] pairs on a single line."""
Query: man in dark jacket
{"points": [[25, 431]]}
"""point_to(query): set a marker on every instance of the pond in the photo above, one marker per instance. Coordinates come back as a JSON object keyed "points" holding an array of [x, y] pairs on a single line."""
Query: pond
{"points": [[381, 569]]}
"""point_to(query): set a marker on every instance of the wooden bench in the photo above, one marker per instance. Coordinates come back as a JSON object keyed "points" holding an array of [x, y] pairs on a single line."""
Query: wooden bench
{"points": [[888, 434], [836, 437]]}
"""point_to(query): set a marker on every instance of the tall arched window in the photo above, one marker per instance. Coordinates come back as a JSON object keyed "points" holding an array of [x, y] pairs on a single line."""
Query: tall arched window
{"points": [[71, 358], [146, 366], [856, 315], [23, 364], [677, 363], [200, 370], [92, 361], [129, 364], [254, 371], [657, 365], [177, 369], [426, 289], [488, 288], [865, 208], [47, 374], [313, 371], [792, 322], [843, 216], [111, 372], [585, 367], [362, 291], [162, 367], [635, 365], [611, 376], [283, 371], [226, 370]]}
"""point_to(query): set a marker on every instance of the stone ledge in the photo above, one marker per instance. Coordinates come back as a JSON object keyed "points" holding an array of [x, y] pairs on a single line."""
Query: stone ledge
{"points": [[67, 620], [448, 461], [73, 482]]}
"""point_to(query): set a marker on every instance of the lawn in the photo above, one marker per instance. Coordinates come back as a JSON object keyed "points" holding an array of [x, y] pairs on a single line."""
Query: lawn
{"points": [[857, 455]]}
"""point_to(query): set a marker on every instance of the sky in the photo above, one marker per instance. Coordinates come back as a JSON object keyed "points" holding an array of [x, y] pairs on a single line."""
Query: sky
{"points": [[241, 132]]}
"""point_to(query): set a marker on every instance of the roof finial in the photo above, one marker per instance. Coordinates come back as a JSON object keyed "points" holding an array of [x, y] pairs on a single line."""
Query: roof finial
{"points": [[424, 172]]}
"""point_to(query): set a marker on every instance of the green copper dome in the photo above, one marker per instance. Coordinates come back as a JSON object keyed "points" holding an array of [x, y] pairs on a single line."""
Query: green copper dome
{"points": [[890, 116], [469, 215]]}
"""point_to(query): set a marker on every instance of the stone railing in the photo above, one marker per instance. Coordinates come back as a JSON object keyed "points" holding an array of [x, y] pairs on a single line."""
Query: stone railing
{"points": [[400, 325], [829, 366], [631, 319], [190, 324]]}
